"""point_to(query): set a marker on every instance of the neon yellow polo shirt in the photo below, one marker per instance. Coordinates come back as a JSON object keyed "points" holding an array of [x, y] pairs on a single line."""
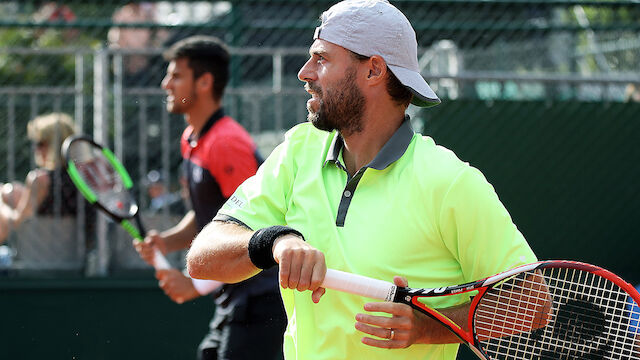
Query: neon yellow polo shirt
{"points": [[416, 210]]}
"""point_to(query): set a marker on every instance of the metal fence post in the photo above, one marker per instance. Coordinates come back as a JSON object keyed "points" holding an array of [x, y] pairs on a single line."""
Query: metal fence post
{"points": [[100, 132], [11, 135]]}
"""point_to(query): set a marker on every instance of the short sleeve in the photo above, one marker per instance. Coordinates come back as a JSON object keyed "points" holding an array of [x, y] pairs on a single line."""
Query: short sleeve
{"points": [[262, 200], [234, 162], [478, 230]]}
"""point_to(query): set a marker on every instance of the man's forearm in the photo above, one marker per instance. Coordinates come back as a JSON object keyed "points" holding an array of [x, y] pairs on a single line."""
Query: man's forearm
{"points": [[180, 236], [220, 253], [436, 333]]}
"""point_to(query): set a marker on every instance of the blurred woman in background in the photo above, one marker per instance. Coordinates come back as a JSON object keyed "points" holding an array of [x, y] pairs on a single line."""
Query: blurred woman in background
{"points": [[47, 190]]}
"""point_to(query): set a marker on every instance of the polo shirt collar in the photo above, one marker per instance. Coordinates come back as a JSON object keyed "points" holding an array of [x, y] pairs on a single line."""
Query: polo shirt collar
{"points": [[390, 152], [193, 140]]}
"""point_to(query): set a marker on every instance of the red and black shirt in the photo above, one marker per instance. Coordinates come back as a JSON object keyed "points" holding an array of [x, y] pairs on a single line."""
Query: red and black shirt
{"points": [[216, 162]]}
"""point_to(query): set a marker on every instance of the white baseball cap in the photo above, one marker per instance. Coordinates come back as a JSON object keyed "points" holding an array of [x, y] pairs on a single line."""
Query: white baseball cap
{"points": [[375, 27]]}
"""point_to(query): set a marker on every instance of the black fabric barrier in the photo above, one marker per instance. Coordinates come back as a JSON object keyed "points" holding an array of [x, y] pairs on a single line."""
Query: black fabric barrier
{"points": [[568, 172], [96, 319]]}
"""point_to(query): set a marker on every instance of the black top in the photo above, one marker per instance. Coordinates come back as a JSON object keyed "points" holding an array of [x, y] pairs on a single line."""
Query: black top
{"points": [[62, 200], [62, 196]]}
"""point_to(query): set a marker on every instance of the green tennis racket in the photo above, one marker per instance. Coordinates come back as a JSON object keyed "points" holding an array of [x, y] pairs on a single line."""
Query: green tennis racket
{"points": [[106, 184]]}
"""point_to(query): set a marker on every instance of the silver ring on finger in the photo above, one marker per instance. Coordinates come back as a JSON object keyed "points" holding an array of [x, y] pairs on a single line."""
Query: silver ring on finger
{"points": [[392, 334]]}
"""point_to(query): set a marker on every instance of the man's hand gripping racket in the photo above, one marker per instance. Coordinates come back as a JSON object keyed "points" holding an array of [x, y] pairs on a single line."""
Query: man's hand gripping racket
{"points": [[546, 310], [106, 184]]}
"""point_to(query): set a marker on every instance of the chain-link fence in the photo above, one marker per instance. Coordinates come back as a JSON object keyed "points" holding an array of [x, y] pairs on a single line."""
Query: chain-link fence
{"points": [[101, 63]]}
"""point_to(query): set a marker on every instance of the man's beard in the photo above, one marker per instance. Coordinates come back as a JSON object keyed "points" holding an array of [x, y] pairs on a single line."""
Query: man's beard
{"points": [[181, 106], [341, 106]]}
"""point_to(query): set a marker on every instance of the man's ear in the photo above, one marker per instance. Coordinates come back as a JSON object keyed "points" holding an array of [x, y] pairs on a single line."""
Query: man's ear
{"points": [[205, 82], [377, 68]]}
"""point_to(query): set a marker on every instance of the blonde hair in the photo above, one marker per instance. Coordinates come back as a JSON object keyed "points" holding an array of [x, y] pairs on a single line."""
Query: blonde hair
{"points": [[50, 130]]}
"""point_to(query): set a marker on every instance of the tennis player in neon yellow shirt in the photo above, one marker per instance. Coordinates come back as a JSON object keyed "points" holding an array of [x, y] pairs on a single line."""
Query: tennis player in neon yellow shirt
{"points": [[355, 189]]}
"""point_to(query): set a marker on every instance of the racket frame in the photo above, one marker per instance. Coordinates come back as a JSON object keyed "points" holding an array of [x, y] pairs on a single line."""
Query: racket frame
{"points": [[136, 232], [411, 296]]}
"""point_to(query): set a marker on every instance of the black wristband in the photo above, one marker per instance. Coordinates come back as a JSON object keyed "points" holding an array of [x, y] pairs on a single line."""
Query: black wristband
{"points": [[261, 244]]}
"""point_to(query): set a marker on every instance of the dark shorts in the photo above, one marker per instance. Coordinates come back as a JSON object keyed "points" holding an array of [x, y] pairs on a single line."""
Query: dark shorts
{"points": [[250, 331]]}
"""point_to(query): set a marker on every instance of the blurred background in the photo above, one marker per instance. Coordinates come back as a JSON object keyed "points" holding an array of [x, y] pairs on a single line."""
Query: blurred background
{"points": [[542, 96]]}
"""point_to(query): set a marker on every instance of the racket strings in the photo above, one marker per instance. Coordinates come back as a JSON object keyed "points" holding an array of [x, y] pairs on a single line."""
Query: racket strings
{"points": [[97, 171], [556, 313], [96, 176], [102, 178]]}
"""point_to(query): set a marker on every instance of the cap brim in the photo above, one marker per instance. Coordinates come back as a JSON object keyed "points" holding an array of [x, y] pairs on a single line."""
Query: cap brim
{"points": [[423, 95]]}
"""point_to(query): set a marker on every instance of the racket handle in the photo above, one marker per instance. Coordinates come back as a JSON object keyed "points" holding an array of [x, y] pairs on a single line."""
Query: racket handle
{"points": [[159, 261], [204, 287], [359, 285]]}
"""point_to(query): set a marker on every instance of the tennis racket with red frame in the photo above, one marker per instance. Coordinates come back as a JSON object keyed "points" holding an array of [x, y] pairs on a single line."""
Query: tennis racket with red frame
{"points": [[106, 184], [549, 310]]}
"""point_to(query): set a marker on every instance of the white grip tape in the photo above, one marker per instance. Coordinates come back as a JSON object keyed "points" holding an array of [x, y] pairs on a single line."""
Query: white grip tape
{"points": [[204, 287], [159, 261], [359, 285]]}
